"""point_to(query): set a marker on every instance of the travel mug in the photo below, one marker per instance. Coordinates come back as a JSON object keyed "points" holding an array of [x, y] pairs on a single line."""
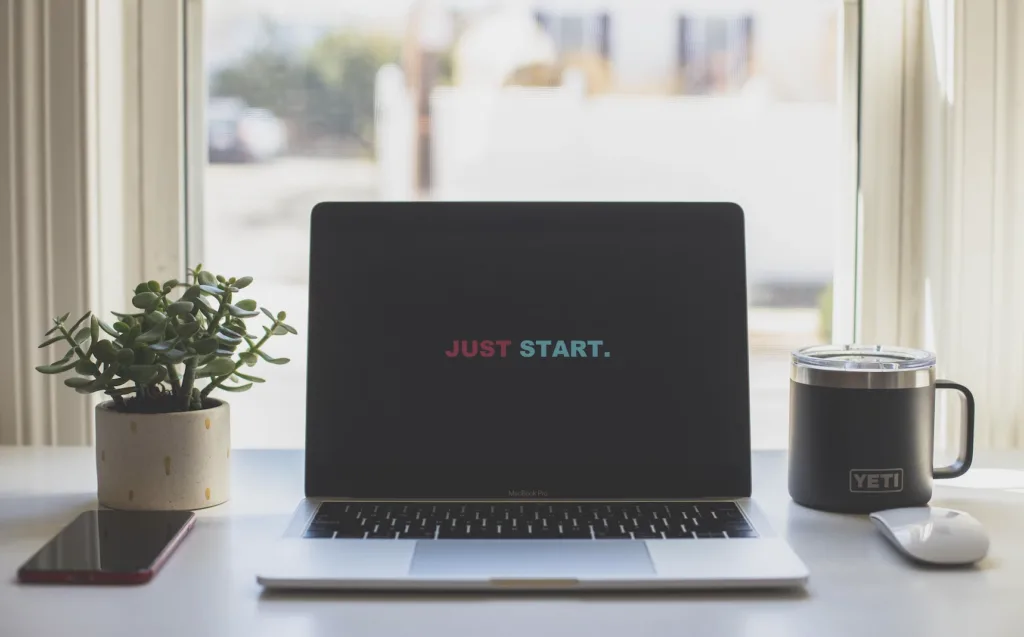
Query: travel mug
{"points": [[862, 428]]}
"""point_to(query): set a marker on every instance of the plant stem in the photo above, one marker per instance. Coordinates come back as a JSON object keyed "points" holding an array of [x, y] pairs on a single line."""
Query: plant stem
{"points": [[172, 376], [215, 383], [186, 384], [75, 345], [225, 300]]}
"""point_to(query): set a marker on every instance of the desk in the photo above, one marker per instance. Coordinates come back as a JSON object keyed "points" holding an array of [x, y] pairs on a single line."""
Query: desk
{"points": [[859, 586]]}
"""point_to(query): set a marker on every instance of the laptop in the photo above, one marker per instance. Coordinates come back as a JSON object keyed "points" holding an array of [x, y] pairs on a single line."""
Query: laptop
{"points": [[510, 396]]}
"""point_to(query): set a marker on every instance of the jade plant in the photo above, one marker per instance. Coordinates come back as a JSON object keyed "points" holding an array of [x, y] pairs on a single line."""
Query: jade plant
{"points": [[183, 335]]}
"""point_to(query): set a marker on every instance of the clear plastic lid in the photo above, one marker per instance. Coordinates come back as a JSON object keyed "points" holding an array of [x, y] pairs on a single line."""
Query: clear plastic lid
{"points": [[869, 358]]}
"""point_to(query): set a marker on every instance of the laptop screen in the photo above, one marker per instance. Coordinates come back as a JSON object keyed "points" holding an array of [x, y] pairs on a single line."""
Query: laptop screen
{"points": [[496, 350]]}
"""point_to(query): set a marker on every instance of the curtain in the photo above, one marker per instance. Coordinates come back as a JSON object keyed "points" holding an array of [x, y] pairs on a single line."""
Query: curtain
{"points": [[43, 204]]}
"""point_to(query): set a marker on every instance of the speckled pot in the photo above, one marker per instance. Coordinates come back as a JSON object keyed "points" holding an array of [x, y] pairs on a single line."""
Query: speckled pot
{"points": [[178, 461]]}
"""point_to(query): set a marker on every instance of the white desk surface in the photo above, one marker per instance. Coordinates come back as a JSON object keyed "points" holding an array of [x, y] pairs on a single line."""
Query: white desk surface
{"points": [[859, 586]]}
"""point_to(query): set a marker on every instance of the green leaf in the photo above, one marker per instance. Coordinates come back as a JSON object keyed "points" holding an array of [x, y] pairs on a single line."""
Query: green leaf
{"points": [[121, 327], [82, 336], [255, 379], [278, 331], [93, 387], [205, 307], [282, 315], [269, 314], [239, 389], [104, 352], [185, 330], [230, 332], [154, 335], [205, 346], [291, 330], [172, 283], [238, 312], [52, 341], [155, 317], [180, 307], [142, 287], [122, 391], [205, 360], [271, 360], [211, 289], [145, 301], [144, 355], [206, 278], [191, 294], [129, 337], [144, 374], [56, 368], [248, 358], [216, 367], [86, 368], [225, 352], [162, 346], [243, 282], [94, 329], [154, 286], [109, 330], [173, 356], [79, 322], [247, 304], [62, 318], [77, 381], [128, 316], [52, 330], [223, 337], [125, 356]]}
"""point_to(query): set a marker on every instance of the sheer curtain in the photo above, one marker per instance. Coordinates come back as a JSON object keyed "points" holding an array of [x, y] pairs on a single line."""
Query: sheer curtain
{"points": [[973, 257], [961, 249], [44, 256]]}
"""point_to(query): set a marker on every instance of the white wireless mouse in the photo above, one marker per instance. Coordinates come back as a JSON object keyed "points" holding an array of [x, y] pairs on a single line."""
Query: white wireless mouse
{"points": [[934, 535]]}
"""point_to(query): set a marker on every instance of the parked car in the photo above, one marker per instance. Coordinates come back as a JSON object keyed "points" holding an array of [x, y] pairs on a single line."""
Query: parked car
{"points": [[237, 132]]}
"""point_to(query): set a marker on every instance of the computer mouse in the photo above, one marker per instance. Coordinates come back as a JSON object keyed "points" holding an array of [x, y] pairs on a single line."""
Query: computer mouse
{"points": [[934, 535]]}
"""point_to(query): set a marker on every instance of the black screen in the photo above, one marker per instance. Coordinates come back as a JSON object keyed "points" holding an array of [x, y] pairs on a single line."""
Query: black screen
{"points": [[527, 350], [110, 541]]}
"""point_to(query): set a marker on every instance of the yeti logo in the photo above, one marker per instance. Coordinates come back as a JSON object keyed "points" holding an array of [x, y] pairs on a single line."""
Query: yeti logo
{"points": [[876, 480]]}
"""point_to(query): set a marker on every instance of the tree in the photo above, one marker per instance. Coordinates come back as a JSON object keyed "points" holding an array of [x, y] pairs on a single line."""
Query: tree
{"points": [[345, 66], [327, 91]]}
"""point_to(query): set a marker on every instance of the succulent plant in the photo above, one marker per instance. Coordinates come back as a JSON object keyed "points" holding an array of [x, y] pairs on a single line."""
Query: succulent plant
{"points": [[156, 357]]}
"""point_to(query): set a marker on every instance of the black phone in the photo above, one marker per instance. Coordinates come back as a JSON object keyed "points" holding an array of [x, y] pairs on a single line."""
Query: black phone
{"points": [[109, 547]]}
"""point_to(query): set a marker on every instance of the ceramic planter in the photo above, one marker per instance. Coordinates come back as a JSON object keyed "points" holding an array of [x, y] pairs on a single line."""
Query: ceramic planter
{"points": [[176, 461]]}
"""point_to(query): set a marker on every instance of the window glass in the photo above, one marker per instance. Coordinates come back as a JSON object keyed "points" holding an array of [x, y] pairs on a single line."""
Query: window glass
{"points": [[312, 100]]}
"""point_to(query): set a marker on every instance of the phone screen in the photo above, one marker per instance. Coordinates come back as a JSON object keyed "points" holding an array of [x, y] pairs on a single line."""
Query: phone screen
{"points": [[109, 543]]}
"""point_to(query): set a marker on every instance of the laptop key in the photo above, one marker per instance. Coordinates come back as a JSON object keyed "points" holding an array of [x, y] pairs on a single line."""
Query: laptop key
{"points": [[718, 535], [645, 534], [623, 520]]}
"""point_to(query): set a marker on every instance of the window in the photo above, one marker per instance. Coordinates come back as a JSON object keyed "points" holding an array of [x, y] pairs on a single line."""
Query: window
{"points": [[313, 100]]}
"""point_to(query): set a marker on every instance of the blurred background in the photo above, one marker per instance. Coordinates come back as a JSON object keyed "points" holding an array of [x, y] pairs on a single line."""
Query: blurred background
{"points": [[666, 100]]}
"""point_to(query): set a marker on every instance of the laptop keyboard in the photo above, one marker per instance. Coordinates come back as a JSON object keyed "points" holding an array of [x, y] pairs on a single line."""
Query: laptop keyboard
{"points": [[496, 521]]}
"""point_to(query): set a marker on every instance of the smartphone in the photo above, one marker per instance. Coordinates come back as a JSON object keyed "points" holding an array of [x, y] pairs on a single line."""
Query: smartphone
{"points": [[109, 547]]}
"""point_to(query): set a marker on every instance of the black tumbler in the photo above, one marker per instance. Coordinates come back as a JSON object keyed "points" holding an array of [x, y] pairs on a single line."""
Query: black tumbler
{"points": [[862, 428]]}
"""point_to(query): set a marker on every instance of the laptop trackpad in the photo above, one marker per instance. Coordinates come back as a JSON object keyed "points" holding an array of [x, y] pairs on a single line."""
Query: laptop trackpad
{"points": [[530, 558]]}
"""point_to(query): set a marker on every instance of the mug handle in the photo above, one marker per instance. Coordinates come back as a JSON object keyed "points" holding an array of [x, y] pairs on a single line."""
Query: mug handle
{"points": [[966, 455]]}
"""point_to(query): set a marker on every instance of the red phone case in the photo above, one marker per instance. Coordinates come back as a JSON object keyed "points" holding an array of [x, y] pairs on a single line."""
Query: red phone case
{"points": [[106, 577]]}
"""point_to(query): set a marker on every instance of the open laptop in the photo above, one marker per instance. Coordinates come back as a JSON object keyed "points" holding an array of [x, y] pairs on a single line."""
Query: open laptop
{"points": [[528, 396]]}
